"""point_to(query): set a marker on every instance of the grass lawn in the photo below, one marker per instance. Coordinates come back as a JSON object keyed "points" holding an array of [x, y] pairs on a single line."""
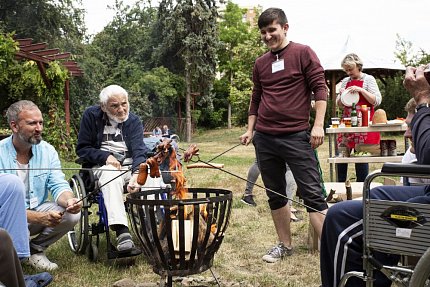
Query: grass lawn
{"points": [[249, 235]]}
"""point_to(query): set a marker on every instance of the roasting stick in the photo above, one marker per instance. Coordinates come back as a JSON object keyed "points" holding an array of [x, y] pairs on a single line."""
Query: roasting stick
{"points": [[193, 151], [74, 168]]}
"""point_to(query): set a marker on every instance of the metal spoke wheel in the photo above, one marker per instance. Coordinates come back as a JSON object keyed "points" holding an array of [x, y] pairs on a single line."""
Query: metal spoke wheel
{"points": [[421, 276], [79, 236]]}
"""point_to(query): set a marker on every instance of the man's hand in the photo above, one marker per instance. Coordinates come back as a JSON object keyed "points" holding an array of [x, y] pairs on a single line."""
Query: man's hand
{"points": [[133, 186], [416, 84], [50, 218], [111, 160], [317, 136], [72, 206], [246, 138]]}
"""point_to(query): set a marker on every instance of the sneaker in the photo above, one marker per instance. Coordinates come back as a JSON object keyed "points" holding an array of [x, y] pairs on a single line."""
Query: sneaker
{"points": [[249, 199], [40, 261], [277, 253], [124, 242]]}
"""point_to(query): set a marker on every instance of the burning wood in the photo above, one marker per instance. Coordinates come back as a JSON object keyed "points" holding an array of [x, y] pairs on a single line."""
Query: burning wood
{"points": [[166, 154]]}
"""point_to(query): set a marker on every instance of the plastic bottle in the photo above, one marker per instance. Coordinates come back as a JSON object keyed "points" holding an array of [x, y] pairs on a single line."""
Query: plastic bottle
{"points": [[364, 116], [354, 118]]}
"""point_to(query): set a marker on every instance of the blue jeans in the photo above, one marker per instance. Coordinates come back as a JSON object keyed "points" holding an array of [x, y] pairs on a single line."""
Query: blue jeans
{"points": [[13, 217]]}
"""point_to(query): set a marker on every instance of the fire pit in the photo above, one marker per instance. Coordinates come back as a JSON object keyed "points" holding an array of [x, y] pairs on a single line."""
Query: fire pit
{"points": [[180, 236]]}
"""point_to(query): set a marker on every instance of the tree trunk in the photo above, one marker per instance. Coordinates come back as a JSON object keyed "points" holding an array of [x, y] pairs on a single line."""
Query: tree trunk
{"points": [[229, 115], [229, 104], [188, 105]]}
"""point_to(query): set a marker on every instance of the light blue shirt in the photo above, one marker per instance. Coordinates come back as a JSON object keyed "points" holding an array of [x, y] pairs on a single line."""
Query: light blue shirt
{"points": [[45, 173]]}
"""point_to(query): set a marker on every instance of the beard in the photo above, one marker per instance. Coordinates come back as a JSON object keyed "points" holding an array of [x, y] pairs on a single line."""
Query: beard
{"points": [[34, 139], [116, 119]]}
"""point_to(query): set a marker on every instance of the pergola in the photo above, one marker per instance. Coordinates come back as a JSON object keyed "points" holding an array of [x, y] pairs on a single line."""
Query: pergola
{"points": [[380, 68], [40, 53]]}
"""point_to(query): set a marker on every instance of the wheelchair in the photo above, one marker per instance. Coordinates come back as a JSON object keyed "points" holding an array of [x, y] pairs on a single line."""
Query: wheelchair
{"points": [[393, 227], [85, 237]]}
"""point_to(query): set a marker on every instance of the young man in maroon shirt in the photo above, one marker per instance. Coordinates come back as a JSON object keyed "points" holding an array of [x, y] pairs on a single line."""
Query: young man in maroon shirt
{"points": [[284, 80]]}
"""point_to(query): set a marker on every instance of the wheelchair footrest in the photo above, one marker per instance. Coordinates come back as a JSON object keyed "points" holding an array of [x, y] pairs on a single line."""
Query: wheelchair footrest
{"points": [[112, 254]]}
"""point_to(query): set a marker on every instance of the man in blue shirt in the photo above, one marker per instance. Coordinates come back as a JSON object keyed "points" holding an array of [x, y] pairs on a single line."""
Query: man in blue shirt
{"points": [[37, 164]]}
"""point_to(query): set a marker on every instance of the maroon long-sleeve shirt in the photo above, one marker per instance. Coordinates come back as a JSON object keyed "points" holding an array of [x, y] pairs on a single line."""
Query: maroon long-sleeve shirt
{"points": [[281, 100]]}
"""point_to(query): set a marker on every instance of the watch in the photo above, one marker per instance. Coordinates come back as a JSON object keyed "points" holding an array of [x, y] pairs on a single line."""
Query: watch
{"points": [[421, 106]]}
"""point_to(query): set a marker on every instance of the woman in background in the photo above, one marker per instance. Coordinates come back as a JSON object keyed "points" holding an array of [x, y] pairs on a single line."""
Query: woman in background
{"points": [[367, 88]]}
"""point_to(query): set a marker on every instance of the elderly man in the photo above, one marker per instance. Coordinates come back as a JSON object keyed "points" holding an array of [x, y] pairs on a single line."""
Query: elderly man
{"points": [[37, 164], [110, 137], [341, 240]]}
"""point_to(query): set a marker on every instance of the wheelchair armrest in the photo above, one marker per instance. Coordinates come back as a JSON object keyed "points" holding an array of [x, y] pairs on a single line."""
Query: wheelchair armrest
{"points": [[408, 168]]}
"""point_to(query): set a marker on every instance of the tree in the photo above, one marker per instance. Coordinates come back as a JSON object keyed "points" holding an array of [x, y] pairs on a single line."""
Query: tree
{"points": [[394, 94], [237, 61], [190, 31], [233, 31], [59, 23]]}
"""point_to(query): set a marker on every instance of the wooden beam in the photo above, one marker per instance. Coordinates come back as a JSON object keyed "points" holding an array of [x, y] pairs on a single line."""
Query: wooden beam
{"points": [[42, 70], [24, 42], [58, 56], [69, 63], [33, 47], [33, 57], [67, 105], [47, 52], [76, 73]]}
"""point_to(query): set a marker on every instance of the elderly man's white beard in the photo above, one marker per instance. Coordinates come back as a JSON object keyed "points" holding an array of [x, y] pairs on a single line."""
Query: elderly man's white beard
{"points": [[116, 119]]}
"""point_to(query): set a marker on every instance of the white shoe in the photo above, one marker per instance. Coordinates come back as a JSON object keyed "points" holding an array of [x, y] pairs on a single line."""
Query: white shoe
{"points": [[40, 261]]}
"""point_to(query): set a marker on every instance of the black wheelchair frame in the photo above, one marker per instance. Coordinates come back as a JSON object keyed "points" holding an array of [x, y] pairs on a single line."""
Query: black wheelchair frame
{"points": [[84, 186], [381, 235]]}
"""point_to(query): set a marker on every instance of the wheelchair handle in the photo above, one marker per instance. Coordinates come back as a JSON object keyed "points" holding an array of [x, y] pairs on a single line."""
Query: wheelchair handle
{"points": [[402, 168]]}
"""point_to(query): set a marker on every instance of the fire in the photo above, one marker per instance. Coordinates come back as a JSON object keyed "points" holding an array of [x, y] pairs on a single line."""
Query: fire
{"points": [[180, 191]]}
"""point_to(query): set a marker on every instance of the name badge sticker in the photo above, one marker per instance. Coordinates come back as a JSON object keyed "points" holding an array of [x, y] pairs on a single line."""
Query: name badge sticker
{"points": [[33, 202], [403, 232], [277, 66]]}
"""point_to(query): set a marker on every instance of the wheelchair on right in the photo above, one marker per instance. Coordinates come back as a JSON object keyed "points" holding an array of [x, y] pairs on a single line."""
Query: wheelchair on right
{"points": [[394, 227]]}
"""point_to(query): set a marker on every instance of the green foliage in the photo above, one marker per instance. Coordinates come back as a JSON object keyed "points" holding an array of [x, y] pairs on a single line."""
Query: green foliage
{"points": [[394, 97], [189, 34], [23, 80], [59, 23], [241, 45], [161, 88]]}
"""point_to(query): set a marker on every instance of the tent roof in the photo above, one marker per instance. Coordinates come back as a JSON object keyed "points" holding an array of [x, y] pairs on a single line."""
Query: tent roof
{"points": [[369, 62]]}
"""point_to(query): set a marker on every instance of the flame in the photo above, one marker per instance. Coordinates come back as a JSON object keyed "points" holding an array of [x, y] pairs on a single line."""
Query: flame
{"points": [[180, 190]]}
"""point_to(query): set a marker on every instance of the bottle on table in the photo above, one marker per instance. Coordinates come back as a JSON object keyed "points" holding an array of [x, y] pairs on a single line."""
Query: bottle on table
{"points": [[359, 116], [365, 116], [354, 119]]}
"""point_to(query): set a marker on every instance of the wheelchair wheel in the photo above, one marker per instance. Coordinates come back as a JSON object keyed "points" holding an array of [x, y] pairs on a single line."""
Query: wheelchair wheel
{"points": [[421, 276], [78, 237], [175, 137], [93, 252]]}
